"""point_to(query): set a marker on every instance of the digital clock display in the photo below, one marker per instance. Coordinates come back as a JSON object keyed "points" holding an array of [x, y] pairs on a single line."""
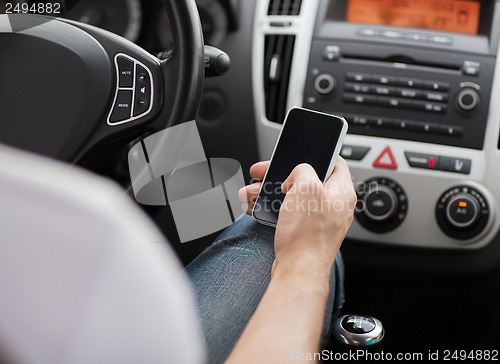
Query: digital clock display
{"points": [[458, 16]]}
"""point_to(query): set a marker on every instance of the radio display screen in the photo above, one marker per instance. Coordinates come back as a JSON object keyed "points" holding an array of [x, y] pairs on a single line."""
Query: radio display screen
{"points": [[459, 16]]}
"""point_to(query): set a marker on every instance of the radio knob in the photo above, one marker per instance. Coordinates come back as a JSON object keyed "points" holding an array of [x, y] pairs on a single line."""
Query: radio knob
{"points": [[468, 100], [462, 213], [382, 205], [325, 84]]}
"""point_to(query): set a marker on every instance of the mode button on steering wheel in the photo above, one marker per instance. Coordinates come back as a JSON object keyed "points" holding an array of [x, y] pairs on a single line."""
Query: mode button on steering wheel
{"points": [[123, 106]]}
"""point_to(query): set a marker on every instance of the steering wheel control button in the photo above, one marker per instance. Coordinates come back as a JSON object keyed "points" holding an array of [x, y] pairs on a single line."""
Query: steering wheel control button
{"points": [[134, 92], [358, 330], [462, 213], [141, 102], [386, 160], [125, 72], [123, 106], [142, 91], [354, 153], [382, 205]]}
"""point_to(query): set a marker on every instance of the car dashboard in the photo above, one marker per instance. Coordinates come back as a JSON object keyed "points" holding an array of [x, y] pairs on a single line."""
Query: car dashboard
{"points": [[419, 90]]}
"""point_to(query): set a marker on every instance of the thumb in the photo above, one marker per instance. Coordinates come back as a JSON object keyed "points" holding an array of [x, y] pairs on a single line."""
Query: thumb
{"points": [[302, 173]]}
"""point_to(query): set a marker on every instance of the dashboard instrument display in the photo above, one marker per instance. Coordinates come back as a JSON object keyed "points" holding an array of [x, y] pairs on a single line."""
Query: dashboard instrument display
{"points": [[122, 17], [214, 23], [459, 16]]}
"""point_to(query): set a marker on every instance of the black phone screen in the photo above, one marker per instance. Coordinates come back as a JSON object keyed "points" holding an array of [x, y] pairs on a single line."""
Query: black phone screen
{"points": [[307, 137]]}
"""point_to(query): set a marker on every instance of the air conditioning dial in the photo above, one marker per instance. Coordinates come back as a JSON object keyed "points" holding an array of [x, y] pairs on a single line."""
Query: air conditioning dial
{"points": [[382, 205], [462, 213]]}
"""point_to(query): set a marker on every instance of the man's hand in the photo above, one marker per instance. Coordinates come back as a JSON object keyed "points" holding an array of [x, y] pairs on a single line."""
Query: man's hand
{"points": [[312, 224], [314, 219]]}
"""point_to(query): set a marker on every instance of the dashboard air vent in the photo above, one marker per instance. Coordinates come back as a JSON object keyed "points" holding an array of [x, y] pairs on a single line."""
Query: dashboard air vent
{"points": [[278, 63], [284, 7]]}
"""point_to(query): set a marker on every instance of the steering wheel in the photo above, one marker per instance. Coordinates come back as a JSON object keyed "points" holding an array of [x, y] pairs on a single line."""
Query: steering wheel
{"points": [[68, 90]]}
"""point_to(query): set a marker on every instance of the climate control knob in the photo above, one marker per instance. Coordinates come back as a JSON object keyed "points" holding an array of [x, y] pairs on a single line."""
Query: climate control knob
{"points": [[462, 213], [382, 205]]}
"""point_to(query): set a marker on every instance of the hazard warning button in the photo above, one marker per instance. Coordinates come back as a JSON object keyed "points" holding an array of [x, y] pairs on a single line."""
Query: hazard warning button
{"points": [[386, 160]]}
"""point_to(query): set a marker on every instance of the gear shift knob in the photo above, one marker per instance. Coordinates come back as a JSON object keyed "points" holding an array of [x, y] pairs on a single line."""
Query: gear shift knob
{"points": [[358, 330]]}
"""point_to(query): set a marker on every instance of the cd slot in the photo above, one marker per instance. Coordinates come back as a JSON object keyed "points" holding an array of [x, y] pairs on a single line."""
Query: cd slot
{"points": [[401, 62]]}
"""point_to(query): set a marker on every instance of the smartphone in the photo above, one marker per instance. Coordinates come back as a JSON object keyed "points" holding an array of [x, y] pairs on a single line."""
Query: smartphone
{"points": [[309, 137]]}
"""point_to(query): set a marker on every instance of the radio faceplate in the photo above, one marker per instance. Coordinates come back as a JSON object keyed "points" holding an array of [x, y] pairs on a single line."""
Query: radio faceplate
{"points": [[398, 92]]}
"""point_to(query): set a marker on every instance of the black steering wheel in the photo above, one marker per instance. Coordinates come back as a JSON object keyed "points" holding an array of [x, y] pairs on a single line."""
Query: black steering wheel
{"points": [[69, 90]]}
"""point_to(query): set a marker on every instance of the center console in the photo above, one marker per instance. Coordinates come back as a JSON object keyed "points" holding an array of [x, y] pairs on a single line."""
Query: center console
{"points": [[417, 85]]}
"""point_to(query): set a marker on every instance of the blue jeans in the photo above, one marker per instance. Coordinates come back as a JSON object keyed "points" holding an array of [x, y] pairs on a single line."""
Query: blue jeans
{"points": [[230, 278]]}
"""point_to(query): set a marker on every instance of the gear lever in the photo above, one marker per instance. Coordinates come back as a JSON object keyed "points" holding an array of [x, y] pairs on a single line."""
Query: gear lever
{"points": [[358, 330]]}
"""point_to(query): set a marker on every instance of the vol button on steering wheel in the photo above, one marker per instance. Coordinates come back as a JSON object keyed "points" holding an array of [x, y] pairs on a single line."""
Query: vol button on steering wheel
{"points": [[67, 89]]}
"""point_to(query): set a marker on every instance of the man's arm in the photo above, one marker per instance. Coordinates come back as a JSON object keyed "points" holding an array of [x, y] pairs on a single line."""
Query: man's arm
{"points": [[287, 322], [313, 221]]}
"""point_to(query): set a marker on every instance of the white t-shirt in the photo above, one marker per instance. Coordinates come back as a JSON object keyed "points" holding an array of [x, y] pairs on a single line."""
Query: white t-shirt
{"points": [[85, 276]]}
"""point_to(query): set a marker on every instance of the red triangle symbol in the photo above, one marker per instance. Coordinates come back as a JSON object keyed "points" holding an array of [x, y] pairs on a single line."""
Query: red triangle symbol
{"points": [[386, 160]]}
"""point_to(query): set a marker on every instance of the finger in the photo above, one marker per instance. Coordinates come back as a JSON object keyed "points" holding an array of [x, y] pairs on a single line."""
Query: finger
{"points": [[242, 195], [258, 170], [248, 196], [341, 175], [300, 174], [249, 192]]}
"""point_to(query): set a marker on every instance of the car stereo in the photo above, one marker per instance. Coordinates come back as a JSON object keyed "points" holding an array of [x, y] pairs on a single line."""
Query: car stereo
{"points": [[410, 70]]}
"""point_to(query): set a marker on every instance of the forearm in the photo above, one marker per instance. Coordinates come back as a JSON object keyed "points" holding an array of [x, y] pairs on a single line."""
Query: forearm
{"points": [[288, 320]]}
